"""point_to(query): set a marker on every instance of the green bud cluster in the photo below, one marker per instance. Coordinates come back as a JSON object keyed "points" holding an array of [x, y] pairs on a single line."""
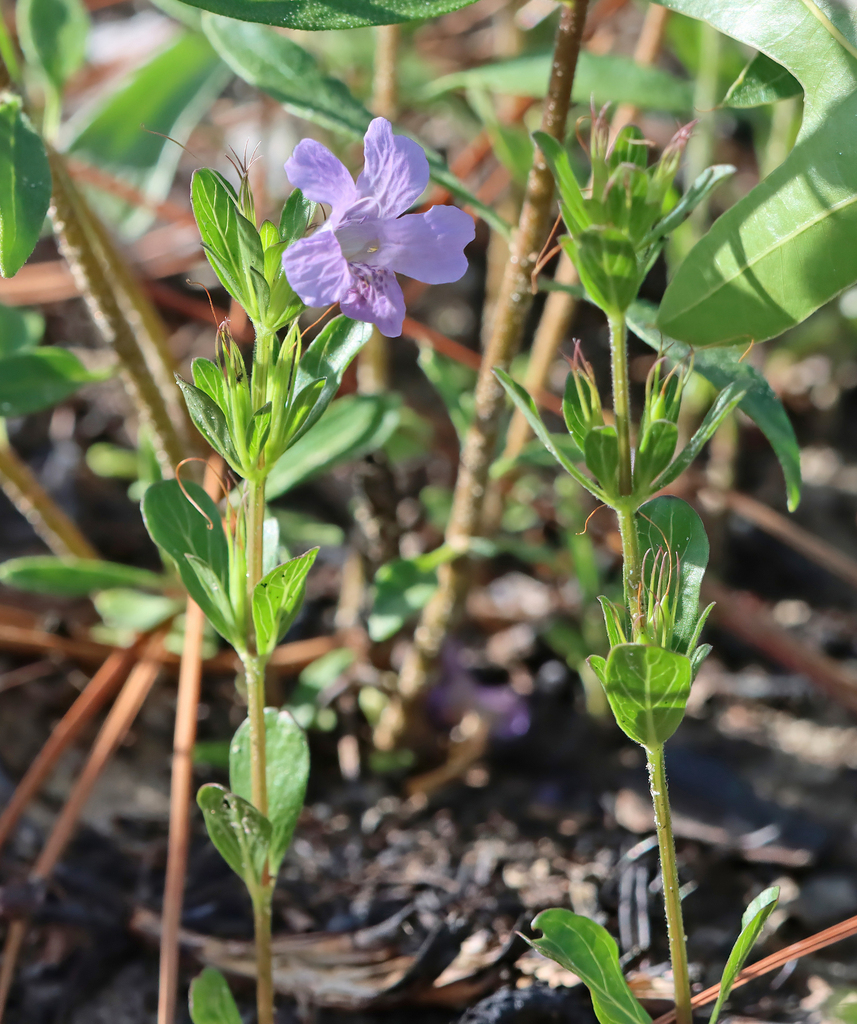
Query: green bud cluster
{"points": [[617, 230]]}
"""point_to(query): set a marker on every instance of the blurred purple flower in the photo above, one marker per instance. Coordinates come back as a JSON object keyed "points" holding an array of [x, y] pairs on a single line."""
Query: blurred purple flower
{"points": [[353, 258]]}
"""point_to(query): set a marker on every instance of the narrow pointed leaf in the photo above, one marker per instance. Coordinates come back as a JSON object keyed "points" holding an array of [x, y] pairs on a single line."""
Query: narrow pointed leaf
{"points": [[722, 367], [277, 599], [323, 15], [74, 577], [528, 407], [53, 35], [209, 420], [25, 185], [752, 922]]}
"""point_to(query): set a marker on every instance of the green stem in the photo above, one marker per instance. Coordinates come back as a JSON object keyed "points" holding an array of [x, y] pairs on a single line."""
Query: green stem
{"points": [[264, 963], [254, 667], [263, 357], [8, 54], [672, 895], [625, 508]]}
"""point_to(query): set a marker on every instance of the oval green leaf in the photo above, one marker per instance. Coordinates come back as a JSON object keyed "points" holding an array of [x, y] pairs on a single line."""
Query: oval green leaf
{"points": [[74, 577], [286, 771], [589, 951], [53, 35], [210, 1000], [35, 380], [647, 688]]}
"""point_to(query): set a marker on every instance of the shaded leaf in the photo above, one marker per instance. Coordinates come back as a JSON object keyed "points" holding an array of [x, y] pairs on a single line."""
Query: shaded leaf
{"points": [[20, 330], [167, 96], [210, 1000], [606, 78], [647, 688], [762, 81], [53, 35], [352, 427], [403, 588], [74, 577], [39, 378], [180, 529], [528, 407], [122, 608], [286, 772], [210, 421], [723, 367], [589, 951], [240, 833], [25, 185]]}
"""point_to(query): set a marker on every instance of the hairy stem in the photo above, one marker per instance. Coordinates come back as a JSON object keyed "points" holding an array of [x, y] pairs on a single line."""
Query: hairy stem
{"points": [[254, 667], [672, 895], [37, 506], [509, 322], [122, 314]]}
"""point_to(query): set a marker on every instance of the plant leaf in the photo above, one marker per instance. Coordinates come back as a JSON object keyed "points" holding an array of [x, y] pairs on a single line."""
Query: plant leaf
{"points": [[647, 688], [528, 407], [241, 834], [210, 421], [785, 248], [762, 81], [177, 527], [589, 951], [25, 185], [20, 330], [210, 1000], [53, 35], [42, 377], [603, 78], [297, 213], [277, 599], [322, 15], [752, 921], [722, 367], [352, 427], [667, 521], [126, 133], [403, 588], [123, 608], [725, 402], [74, 577], [286, 771], [328, 356]]}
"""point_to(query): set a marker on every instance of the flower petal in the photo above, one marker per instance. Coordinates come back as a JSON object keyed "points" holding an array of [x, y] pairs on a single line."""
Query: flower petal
{"points": [[396, 170], [375, 298], [316, 269], [320, 175], [429, 246]]}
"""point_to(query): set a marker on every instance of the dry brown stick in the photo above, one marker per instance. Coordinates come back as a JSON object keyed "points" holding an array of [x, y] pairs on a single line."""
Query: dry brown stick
{"points": [[801, 540], [836, 933], [181, 785], [111, 734], [746, 617], [93, 697], [190, 677], [119, 312], [504, 343], [40, 510]]}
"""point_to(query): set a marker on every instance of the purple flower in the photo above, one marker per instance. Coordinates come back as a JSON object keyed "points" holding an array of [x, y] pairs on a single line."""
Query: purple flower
{"points": [[353, 258]]}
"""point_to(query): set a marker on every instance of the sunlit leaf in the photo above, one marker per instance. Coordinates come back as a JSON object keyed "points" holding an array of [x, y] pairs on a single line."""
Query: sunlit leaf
{"points": [[25, 185]]}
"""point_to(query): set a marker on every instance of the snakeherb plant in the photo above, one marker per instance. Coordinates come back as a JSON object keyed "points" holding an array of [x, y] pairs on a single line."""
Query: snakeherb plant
{"points": [[229, 564], [614, 234]]}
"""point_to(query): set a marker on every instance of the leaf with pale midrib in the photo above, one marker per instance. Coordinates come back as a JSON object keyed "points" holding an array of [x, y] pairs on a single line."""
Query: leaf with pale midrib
{"points": [[787, 247]]}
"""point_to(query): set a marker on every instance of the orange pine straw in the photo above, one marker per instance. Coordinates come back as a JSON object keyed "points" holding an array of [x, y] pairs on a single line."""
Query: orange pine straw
{"points": [[837, 932], [112, 733], [94, 695]]}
